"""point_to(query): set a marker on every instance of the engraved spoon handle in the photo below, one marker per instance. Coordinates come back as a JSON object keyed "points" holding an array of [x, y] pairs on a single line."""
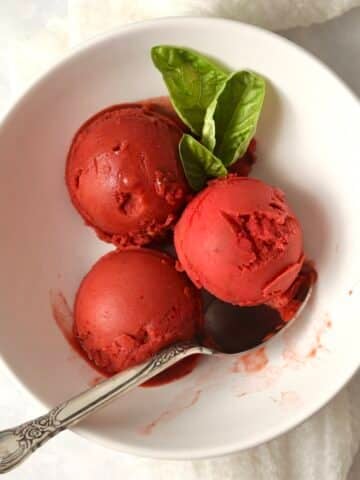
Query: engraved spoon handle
{"points": [[19, 442]]}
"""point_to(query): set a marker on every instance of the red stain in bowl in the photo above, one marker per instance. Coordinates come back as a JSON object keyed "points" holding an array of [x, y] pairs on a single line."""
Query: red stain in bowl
{"points": [[251, 362], [292, 356], [181, 403], [318, 342], [63, 317], [177, 371], [290, 399], [62, 314], [96, 380]]}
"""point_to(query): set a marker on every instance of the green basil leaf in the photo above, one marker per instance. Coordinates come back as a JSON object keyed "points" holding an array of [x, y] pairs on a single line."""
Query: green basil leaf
{"points": [[192, 81], [232, 117], [208, 137], [199, 163]]}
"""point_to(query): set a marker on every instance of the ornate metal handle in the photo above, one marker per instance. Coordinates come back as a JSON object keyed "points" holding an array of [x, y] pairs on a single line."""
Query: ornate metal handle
{"points": [[19, 442]]}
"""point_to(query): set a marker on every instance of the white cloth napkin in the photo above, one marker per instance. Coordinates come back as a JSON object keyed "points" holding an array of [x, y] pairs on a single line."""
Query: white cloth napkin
{"points": [[272, 14], [34, 34]]}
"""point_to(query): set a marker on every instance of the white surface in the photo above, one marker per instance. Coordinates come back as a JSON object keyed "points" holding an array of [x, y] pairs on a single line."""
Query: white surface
{"points": [[337, 411], [89, 18]]}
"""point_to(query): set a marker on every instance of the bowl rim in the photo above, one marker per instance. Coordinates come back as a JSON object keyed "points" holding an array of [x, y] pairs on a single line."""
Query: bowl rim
{"points": [[96, 40]]}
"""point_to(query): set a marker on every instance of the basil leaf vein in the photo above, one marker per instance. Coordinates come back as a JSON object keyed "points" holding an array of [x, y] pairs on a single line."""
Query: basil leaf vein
{"points": [[192, 81], [231, 118]]}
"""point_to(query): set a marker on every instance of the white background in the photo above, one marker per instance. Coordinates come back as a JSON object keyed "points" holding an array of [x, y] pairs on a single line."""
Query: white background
{"points": [[336, 43]]}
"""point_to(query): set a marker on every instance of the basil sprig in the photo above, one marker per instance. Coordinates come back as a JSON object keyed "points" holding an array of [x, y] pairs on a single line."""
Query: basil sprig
{"points": [[220, 108]]}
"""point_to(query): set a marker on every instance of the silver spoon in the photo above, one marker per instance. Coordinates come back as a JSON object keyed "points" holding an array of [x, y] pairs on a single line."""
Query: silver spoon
{"points": [[18, 443]]}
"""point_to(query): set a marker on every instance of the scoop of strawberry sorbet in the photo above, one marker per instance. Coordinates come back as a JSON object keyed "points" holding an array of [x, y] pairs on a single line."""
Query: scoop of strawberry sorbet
{"points": [[240, 240], [132, 304]]}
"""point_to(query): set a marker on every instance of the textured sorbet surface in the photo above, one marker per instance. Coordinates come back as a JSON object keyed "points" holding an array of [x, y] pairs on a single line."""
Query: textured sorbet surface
{"points": [[240, 240], [124, 174], [132, 304]]}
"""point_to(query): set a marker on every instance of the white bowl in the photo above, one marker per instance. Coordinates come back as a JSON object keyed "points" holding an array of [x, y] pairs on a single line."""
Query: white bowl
{"points": [[308, 145]]}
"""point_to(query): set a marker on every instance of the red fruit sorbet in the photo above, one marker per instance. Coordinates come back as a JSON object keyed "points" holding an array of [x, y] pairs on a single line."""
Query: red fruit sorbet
{"points": [[240, 240], [132, 304], [124, 174]]}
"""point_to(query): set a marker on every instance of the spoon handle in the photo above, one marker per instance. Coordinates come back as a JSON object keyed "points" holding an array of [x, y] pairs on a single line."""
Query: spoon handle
{"points": [[19, 442]]}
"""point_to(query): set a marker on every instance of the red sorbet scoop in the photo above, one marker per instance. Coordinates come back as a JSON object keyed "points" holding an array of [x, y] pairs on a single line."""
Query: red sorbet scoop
{"points": [[240, 241], [132, 304], [124, 173]]}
